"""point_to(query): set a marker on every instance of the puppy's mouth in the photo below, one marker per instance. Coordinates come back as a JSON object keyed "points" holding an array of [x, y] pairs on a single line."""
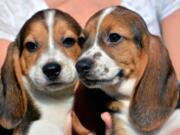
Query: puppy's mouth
{"points": [[55, 84], [93, 82], [59, 83]]}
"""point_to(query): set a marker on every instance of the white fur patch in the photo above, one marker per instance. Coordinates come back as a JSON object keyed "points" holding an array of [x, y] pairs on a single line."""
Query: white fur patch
{"points": [[53, 117], [53, 113], [44, 128], [126, 87], [172, 124], [102, 63], [50, 24], [124, 117], [67, 75], [103, 15], [95, 47]]}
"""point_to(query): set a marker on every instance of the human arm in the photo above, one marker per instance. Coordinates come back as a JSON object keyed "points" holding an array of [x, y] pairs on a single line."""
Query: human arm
{"points": [[3, 49], [171, 37]]}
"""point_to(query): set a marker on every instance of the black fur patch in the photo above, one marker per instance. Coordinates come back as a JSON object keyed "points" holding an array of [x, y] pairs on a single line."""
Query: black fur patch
{"points": [[5, 131], [178, 105], [31, 115], [137, 37]]}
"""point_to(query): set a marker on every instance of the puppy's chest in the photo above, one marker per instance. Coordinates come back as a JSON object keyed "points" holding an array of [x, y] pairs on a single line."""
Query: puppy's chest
{"points": [[121, 123], [52, 117]]}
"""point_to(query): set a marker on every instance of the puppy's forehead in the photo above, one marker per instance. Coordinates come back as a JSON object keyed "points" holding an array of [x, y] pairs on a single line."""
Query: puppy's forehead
{"points": [[95, 21], [119, 18], [52, 16], [48, 19]]}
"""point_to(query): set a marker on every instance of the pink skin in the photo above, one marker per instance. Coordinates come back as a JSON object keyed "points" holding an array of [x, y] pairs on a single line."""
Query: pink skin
{"points": [[108, 122], [176, 132]]}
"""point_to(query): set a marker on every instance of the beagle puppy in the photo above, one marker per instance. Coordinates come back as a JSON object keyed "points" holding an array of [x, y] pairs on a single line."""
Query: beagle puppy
{"points": [[39, 77], [133, 67]]}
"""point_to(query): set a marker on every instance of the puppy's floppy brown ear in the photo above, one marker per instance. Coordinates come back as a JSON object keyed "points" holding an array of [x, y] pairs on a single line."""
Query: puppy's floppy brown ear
{"points": [[12, 96], [156, 94]]}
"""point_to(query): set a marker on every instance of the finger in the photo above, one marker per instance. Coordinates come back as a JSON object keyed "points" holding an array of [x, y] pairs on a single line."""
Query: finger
{"points": [[106, 117]]}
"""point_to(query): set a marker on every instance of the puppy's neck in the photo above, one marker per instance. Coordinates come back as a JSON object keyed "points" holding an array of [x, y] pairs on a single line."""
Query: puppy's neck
{"points": [[56, 96], [122, 90], [121, 93], [52, 106]]}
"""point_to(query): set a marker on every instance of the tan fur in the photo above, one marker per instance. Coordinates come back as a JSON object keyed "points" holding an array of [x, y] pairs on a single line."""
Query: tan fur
{"points": [[36, 32], [114, 106], [118, 127], [61, 30], [77, 126]]}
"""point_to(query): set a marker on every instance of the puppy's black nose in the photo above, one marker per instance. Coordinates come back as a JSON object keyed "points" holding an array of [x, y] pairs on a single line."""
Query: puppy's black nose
{"points": [[83, 66], [52, 70]]}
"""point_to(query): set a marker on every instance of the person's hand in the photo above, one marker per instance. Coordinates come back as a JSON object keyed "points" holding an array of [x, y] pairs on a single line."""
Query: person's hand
{"points": [[81, 130]]}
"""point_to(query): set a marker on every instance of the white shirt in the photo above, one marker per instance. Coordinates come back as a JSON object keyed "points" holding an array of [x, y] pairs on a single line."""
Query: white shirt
{"points": [[13, 13]]}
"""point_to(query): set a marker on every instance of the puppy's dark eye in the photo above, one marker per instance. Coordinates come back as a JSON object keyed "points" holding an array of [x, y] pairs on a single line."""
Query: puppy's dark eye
{"points": [[31, 46], [68, 42], [114, 38], [81, 41]]}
